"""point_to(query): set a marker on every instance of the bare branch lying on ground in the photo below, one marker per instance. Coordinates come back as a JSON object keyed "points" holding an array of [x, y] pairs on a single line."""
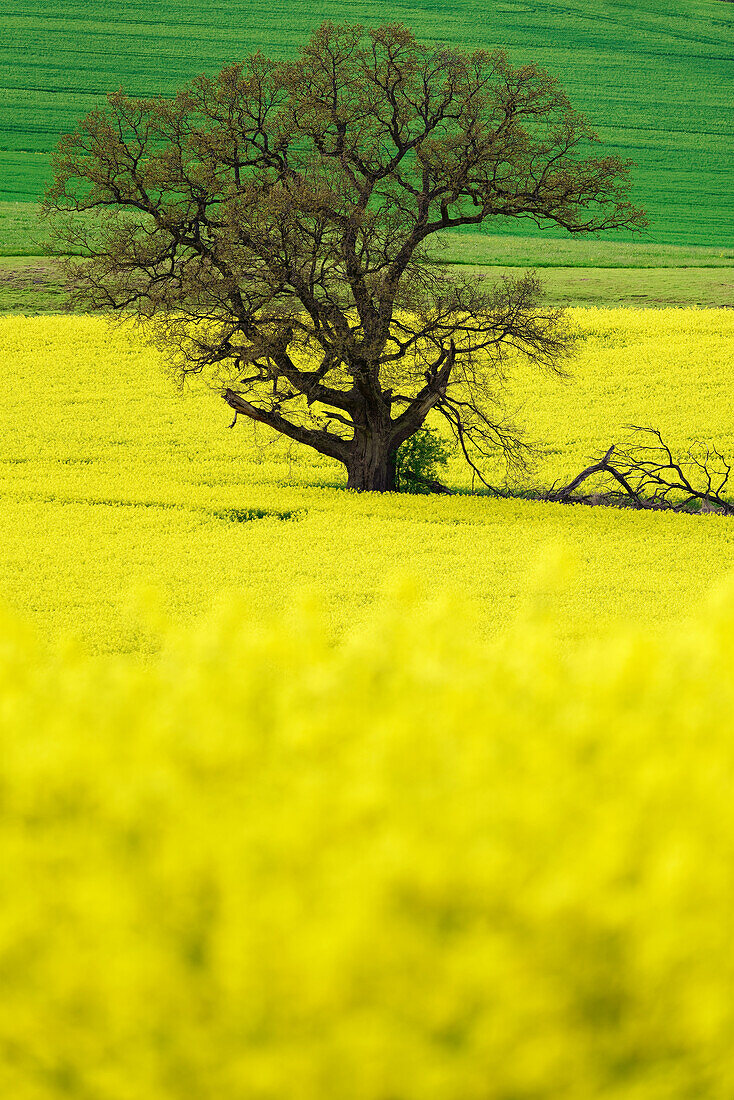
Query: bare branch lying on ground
{"points": [[649, 476]]}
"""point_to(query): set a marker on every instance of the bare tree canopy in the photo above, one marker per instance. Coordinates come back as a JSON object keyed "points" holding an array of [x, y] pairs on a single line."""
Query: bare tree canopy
{"points": [[271, 225]]}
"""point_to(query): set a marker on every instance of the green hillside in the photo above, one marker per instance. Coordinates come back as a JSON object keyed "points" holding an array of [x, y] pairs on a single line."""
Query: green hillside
{"points": [[656, 77]]}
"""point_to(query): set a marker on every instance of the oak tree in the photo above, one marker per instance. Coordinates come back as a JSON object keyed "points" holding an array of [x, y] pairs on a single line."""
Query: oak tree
{"points": [[275, 227]]}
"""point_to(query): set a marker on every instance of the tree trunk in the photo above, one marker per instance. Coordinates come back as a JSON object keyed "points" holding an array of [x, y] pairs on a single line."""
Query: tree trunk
{"points": [[371, 464]]}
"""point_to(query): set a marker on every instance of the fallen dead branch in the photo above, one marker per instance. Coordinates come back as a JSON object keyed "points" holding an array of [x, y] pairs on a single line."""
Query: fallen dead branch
{"points": [[649, 476]]}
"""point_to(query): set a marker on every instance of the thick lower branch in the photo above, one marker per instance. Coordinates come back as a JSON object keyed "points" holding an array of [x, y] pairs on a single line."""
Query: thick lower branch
{"points": [[322, 441]]}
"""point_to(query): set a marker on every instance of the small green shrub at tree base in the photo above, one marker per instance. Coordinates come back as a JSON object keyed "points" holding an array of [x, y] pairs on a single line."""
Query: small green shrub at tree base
{"points": [[418, 461]]}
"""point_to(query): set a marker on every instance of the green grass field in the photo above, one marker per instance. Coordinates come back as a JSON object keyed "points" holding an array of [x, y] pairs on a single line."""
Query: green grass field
{"points": [[32, 285], [655, 77], [594, 272]]}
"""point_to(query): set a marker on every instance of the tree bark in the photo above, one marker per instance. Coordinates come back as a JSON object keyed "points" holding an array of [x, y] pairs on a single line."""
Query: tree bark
{"points": [[371, 464]]}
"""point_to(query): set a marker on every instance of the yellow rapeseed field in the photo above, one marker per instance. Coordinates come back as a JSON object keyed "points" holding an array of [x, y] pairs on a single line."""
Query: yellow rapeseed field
{"points": [[111, 482], [276, 824]]}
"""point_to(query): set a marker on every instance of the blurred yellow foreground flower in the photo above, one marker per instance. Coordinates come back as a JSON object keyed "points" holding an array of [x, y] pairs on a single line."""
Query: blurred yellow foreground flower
{"points": [[405, 867]]}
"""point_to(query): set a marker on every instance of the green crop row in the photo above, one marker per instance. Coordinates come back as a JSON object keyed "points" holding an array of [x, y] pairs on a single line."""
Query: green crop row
{"points": [[654, 77]]}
